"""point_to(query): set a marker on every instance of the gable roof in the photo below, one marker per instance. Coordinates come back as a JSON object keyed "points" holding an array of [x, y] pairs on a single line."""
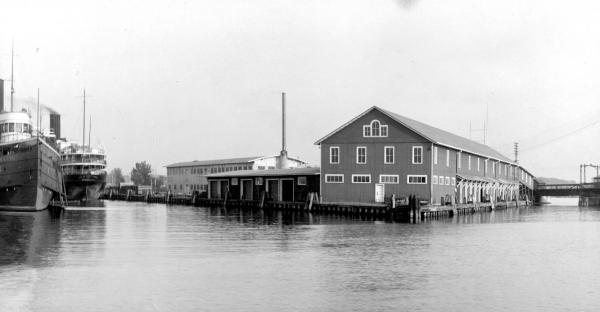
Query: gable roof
{"points": [[214, 162], [432, 134]]}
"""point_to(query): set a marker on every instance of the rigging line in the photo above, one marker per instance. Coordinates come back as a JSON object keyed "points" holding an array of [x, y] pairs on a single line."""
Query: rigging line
{"points": [[561, 137]]}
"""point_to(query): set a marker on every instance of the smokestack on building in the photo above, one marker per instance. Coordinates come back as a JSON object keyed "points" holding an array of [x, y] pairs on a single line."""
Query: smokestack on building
{"points": [[1, 95], [55, 124], [282, 161]]}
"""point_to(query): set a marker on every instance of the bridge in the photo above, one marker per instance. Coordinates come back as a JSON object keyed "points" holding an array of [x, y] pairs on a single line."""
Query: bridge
{"points": [[575, 189]]}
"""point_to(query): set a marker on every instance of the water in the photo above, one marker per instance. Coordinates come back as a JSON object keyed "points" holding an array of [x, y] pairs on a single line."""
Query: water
{"points": [[139, 257]]}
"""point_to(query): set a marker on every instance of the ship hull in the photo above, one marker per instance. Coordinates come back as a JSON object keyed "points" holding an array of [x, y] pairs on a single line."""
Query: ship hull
{"points": [[29, 175], [84, 187]]}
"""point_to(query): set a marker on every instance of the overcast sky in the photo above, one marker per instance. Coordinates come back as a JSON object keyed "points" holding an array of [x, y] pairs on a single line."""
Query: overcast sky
{"points": [[173, 81]]}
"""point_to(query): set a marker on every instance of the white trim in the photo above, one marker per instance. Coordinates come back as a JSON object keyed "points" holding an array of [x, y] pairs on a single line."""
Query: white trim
{"points": [[469, 162], [408, 176], [334, 175], [361, 175], [361, 163], [381, 127], [413, 154], [365, 128], [459, 160], [397, 177], [434, 179], [447, 181], [447, 157], [435, 155], [385, 155], [331, 148]]}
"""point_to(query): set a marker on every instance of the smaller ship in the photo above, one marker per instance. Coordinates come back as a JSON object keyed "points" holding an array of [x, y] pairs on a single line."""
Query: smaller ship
{"points": [[84, 171]]}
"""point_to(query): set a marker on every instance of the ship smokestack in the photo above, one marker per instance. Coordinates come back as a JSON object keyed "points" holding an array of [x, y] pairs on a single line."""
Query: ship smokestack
{"points": [[1, 95], [55, 124], [283, 155]]}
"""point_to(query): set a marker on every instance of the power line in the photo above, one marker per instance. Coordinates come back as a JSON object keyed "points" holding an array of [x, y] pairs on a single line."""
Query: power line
{"points": [[561, 137]]}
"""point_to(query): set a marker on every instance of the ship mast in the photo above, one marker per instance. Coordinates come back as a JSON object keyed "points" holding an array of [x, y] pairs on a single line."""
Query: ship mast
{"points": [[12, 75], [90, 134], [83, 140]]}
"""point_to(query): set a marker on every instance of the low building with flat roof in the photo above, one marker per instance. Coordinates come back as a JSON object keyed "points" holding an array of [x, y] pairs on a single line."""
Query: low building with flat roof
{"points": [[187, 177], [284, 185]]}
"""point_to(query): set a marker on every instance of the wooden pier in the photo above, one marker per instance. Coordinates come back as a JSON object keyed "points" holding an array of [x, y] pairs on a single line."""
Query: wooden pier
{"points": [[409, 212]]}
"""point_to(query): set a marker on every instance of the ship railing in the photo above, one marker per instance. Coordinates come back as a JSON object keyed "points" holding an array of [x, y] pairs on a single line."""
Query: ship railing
{"points": [[95, 161]]}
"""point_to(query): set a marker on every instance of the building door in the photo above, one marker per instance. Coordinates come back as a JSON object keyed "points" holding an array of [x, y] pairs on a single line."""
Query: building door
{"points": [[379, 193], [273, 189], [287, 190], [247, 189], [224, 188], [214, 189]]}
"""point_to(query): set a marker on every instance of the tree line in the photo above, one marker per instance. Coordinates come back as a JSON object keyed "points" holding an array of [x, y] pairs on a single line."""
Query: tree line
{"points": [[141, 174]]}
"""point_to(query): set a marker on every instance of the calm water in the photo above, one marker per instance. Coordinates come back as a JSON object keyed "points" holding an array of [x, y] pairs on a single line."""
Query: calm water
{"points": [[138, 257]]}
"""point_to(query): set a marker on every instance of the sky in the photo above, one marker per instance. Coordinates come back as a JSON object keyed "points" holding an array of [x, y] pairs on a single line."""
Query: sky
{"points": [[172, 81]]}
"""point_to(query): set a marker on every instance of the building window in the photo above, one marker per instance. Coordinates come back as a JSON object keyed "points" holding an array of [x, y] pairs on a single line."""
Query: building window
{"points": [[301, 180], [361, 178], [417, 155], [416, 179], [434, 179], [259, 181], [388, 155], [493, 168], [435, 154], [459, 158], [334, 178], [389, 178], [453, 181], [375, 129], [447, 180], [366, 131], [234, 181], [477, 163], [361, 154], [334, 155], [447, 158], [261, 168]]}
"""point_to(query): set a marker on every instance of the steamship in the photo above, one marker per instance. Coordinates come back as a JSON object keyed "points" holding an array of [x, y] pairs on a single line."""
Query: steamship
{"points": [[84, 167], [29, 163], [84, 170]]}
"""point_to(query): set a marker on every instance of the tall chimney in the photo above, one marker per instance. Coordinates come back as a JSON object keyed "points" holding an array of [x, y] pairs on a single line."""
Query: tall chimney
{"points": [[1, 95], [55, 124], [282, 164]]}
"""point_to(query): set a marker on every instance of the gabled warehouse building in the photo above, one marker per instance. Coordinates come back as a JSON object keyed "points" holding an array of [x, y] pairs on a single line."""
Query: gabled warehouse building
{"points": [[380, 153]]}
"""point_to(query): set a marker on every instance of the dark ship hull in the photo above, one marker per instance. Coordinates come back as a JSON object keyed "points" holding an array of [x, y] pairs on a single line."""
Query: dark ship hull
{"points": [[84, 187], [29, 175]]}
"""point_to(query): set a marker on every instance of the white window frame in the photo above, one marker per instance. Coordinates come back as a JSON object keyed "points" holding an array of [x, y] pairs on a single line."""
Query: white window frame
{"points": [[459, 160], [331, 148], [361, 176], [301, 180], [447, 180], [358, 155], [385, 149], [394, 176], [469, 162], [493, 168], [434, 179], [334, 175], [365, 129], [420, 148], [478, 164], [453, 181], [435, 155], [408, 176], [368, 130], [259, 181], [447, 158]]}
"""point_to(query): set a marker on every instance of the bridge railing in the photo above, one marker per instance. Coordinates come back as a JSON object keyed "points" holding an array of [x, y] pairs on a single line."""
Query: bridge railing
{"points": [[571, 186]]}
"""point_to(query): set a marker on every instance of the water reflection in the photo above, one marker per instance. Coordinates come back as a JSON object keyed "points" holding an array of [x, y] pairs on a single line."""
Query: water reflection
{"points": [[137, 256]]}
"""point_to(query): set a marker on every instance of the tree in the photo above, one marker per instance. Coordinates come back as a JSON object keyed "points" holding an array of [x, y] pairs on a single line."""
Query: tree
{"points": [[115, 176], [140, 174]]}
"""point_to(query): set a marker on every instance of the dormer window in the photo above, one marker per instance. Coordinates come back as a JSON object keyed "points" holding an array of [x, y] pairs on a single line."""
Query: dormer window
{"points": [[375, 129]]}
